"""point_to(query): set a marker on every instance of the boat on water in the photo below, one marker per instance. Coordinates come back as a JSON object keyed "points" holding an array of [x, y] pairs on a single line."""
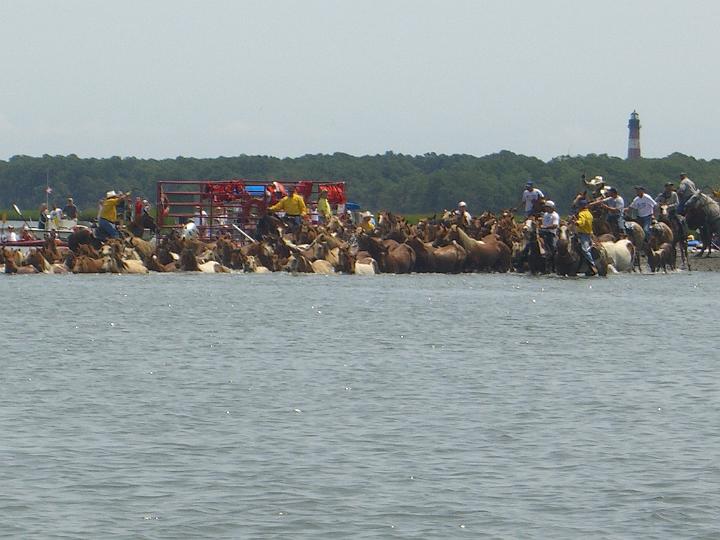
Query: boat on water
{"points": [[19, 235], [60, 226]]}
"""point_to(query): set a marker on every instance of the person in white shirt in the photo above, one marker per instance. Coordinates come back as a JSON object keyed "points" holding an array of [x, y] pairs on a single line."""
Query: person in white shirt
{"points": [[11, 234], [549, 229], [463, 213], [615, 206], [529, 196], [644, 205]]}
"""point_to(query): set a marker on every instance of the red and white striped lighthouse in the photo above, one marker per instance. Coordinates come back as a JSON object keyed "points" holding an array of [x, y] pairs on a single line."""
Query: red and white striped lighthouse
{"points": [[634, 136]]}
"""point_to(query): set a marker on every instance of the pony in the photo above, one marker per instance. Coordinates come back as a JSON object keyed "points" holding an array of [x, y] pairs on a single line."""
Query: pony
{"points": [[392, 257], [82, 236], [621, 254], [662, 257], [660, 233], [569, 259], [679, 228], [489, 254], [448, 259], [141, 222], [530, 251], [14, 263], [36, 259], [636, 235], [566, 258]]}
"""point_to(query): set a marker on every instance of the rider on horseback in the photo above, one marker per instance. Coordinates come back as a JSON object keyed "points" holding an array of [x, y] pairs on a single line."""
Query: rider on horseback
{"points": [[108, 213], [615, 206], [293, 205], [669, 199], [549, 230], [685, 191]]}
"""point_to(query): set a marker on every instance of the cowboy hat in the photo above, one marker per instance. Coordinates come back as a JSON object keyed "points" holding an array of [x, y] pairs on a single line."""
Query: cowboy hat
{"points": [[111, 193]]}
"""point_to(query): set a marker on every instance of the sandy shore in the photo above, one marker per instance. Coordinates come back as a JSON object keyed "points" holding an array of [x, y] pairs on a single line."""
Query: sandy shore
{"points": [[704, 264]]}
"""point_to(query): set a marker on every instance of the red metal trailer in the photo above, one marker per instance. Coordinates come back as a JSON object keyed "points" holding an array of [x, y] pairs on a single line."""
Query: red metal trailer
{"points": [[223, 206]]}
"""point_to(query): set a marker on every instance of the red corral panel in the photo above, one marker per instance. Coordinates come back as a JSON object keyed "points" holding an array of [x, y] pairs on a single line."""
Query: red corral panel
{"points": [[222, 206]]}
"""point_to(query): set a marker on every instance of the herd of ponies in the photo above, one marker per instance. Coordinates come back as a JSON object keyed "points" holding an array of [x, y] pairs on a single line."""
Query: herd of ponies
{"points": [[447, 244]]}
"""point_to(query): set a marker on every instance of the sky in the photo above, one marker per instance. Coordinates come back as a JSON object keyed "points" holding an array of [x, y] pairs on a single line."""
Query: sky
{"points": [[166, 78]]}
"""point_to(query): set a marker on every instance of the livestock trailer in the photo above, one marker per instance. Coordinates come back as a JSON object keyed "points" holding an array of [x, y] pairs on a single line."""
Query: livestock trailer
{"points": [[224, 206]]}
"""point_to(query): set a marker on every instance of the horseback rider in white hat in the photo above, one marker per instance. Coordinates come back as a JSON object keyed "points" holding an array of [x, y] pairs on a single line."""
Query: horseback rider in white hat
{"points": [[462, 213], [108, 213], [549, 228]]}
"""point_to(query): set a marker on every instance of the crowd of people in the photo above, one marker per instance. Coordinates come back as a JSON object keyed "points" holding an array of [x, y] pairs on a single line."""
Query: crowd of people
{"points": [[643, 209]]}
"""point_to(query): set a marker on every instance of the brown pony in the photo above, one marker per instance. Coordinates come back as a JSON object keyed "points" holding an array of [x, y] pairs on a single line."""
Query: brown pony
{"points": [[86, 265], [188, 261], [662, 257], [154, 265], [392, 257], [448, 259], [679, 228]]}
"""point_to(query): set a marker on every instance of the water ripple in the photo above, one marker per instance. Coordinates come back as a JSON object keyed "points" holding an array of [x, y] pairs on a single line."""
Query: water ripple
{"points": [[411, 407]]}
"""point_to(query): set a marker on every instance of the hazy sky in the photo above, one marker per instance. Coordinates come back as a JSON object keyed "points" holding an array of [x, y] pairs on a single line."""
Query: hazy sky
{"points": [[162, 78]]}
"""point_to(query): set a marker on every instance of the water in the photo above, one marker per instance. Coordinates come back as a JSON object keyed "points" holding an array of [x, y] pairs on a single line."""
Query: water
{"points": [[273, 406]]}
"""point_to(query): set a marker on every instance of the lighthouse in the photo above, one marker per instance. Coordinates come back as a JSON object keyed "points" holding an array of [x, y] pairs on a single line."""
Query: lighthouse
{"points": [[634, 136]]}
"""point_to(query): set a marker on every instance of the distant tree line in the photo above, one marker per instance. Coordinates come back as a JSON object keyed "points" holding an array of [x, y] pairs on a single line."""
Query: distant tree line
{"points": [[397, 182]]}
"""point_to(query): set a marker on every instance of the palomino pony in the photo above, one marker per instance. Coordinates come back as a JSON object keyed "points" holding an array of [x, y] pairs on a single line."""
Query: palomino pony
{"points": [[489, 254]]}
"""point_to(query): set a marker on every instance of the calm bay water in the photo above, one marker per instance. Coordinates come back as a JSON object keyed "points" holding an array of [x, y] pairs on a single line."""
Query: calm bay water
{"points": [[250, 406]]}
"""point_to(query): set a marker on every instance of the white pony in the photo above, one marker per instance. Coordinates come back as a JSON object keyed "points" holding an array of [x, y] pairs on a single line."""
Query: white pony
{"points": [[620, 254]]}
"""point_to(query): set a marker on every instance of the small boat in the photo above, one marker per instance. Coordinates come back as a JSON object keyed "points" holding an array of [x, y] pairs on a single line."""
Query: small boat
{"points": [[25, 245], [61, 227], [56, 222]]}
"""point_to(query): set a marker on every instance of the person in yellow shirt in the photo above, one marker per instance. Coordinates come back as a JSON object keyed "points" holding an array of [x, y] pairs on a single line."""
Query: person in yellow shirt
{"points": [[108, 213], [367, 224], [584, 224], [323, 207], [293, 205]]}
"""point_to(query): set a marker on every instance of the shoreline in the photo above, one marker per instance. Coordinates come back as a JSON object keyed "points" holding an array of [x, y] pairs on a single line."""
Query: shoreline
{"points": [[703, 264]]}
